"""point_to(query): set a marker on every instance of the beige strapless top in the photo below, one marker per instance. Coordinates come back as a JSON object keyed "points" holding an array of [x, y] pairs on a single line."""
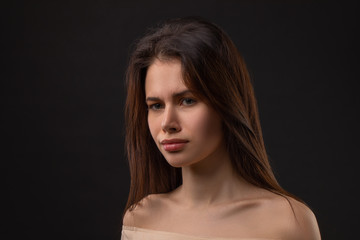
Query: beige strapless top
{"points": [[134, 233]]}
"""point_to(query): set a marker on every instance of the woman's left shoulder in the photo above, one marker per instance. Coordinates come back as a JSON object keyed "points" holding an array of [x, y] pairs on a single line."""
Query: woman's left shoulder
{"points": [[290, 217]]}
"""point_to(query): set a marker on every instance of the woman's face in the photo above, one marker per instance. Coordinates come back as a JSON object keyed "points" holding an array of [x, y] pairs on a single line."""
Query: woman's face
{"points": [[184, 128]]}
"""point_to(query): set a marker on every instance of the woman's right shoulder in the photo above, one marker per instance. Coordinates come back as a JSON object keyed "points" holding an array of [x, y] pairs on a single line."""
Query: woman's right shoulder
{"points": [[143, 213]]}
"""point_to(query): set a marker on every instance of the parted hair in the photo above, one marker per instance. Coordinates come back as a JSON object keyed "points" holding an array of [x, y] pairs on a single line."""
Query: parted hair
{"points": [[213, 70]]}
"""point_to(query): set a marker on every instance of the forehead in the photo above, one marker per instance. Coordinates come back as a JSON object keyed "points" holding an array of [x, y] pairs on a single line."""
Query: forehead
{"points": [[164, 77]]}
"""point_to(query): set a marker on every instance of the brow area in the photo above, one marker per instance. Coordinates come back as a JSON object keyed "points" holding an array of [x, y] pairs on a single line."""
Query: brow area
{"points": [[175, 95]]}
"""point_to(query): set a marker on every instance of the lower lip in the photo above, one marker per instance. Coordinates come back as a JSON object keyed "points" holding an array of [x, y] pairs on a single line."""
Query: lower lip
{"points": [[174, 147]]}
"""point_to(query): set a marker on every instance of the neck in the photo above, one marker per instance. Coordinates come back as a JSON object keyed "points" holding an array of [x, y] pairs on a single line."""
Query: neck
{"points": [[211, 181]]}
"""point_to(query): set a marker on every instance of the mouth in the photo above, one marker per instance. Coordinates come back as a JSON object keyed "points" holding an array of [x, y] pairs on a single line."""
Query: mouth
{"points": [[173, 145]]}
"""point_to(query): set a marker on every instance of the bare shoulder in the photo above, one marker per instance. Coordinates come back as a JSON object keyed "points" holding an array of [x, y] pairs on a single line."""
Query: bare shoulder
{"points": [[305, 226], [289, 218], [145, 211]]}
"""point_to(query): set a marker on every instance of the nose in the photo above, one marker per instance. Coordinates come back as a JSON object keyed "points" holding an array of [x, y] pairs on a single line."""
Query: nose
{"points": [[170, 122]]}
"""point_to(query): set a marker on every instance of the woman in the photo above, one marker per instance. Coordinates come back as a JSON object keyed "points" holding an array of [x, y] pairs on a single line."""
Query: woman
{"points": [[198, 165]]}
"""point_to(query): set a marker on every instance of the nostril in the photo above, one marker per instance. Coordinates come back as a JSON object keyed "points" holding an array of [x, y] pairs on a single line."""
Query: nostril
{"points": [[169, 122], [171, 128]]}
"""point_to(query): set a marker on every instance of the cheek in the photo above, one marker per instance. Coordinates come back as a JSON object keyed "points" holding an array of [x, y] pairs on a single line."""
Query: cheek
{"points": [[154, 126], [208, 126]]}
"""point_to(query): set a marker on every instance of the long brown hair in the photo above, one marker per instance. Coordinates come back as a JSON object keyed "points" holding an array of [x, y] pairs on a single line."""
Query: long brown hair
{"points": [[214, 70]]}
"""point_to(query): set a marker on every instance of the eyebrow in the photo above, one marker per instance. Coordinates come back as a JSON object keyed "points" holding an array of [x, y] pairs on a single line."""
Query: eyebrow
{"points": [[175, 95]]}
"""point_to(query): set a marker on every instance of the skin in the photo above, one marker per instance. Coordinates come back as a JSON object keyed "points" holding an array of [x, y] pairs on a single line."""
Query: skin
{"points": [[213, 200]]}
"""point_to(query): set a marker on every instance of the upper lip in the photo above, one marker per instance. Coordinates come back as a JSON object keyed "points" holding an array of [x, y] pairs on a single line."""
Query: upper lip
{"points": [[174, 140]]}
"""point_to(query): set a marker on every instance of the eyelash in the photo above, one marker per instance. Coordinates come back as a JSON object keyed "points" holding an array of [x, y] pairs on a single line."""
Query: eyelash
{"points": [[153, 106], [158, 106], [187, 99]]}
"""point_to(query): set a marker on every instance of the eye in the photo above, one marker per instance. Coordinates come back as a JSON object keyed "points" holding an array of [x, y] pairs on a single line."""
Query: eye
{"points": [[188, 101], [155, 106]]}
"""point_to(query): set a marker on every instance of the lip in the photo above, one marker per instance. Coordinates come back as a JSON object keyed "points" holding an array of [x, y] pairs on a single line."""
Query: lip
{"points": [[173, 145]]}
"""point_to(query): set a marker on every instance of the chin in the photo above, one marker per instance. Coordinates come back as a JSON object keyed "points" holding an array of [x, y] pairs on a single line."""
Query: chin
{"points": [[176, 164], [176, 161]]}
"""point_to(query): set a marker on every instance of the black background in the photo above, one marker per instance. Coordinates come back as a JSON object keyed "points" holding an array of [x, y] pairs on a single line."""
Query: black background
{"points": [[62, 90]]}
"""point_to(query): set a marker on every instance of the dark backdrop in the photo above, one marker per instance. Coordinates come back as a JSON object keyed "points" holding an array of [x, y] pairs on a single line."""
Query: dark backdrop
{"points": [[62, 85]]}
